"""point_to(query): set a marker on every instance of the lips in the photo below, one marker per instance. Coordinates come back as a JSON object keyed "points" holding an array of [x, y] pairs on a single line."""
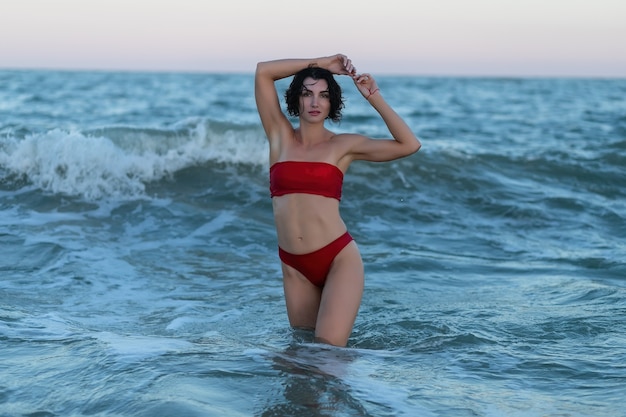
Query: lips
{"points": [[315, 112]]}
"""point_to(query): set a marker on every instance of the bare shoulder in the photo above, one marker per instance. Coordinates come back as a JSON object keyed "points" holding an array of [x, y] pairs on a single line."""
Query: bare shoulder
{"points": [[344, 147], [350, 143], [361, 147], [349, 139]]}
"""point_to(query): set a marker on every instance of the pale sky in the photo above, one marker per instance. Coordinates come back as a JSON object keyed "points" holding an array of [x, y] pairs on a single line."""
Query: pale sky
{"points": [[436, 37]]}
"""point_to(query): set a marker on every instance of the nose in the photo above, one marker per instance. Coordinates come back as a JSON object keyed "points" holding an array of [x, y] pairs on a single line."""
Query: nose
{"points": [[314, 100]]}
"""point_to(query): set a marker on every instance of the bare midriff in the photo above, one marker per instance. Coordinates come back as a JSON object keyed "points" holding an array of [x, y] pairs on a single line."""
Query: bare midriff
{"points": [[306, 222]]}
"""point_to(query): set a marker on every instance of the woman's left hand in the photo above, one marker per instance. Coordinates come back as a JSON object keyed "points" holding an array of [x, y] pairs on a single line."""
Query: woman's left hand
{"points": [[366, 84]]}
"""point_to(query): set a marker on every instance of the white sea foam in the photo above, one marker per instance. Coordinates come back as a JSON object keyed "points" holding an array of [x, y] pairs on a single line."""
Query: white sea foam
{"points": [[141, 347], [120, 162]]}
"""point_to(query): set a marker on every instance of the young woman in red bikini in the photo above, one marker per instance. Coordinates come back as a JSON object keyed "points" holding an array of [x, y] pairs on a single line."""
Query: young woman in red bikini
{"points": [[322, 268]]}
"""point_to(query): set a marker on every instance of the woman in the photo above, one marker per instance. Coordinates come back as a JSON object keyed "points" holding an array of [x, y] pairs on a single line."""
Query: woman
{"points": [[322, 268]]}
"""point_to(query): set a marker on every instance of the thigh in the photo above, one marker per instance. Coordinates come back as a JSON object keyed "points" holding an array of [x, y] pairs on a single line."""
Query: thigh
{"points": [[341, 297], [301, 298]]}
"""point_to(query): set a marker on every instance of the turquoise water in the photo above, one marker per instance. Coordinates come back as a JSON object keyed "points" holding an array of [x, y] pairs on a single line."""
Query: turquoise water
{"points": [[139, 273]]}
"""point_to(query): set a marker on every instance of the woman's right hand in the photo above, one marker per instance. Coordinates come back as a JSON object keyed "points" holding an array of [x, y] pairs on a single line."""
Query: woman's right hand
{"points": [[339, 64]]}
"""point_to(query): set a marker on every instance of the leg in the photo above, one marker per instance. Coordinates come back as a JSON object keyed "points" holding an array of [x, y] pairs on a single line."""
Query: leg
{"points": [[301, 297], [341, 297]]}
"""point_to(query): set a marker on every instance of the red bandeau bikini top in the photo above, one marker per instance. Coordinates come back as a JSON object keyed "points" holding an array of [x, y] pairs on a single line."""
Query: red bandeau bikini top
{"points": [[319, 178]]}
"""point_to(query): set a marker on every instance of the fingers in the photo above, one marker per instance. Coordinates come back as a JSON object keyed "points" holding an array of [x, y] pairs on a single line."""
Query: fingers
{"points": [[347, 63], [363, 78]]}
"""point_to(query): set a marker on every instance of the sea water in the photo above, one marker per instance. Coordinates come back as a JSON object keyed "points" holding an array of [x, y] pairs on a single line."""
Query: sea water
{"points": [[139, 273]]}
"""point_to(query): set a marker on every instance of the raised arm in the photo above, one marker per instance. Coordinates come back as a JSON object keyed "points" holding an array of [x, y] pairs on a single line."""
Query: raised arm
{"points": [[404, 141]]}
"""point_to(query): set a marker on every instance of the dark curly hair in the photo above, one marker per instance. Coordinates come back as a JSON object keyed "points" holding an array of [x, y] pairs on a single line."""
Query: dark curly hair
{"points": [[293, 93]]}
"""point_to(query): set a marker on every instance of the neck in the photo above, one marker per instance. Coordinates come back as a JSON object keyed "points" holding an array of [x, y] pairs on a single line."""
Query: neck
{"points": [[311, 134]]}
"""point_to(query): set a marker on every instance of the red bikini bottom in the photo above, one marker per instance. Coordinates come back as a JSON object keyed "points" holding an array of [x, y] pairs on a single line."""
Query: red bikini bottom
{"points": [[315, 265]]}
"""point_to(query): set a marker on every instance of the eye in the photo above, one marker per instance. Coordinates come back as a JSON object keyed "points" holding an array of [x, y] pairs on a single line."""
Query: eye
{"points": [[325, 95], [306, 93]]}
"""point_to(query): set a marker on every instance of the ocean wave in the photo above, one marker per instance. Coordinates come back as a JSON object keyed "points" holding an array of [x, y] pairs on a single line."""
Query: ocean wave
{"points": [[119, 161]]}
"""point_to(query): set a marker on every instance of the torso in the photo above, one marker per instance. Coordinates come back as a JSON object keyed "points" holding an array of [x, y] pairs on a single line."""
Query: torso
{"points": [[306, 222]]}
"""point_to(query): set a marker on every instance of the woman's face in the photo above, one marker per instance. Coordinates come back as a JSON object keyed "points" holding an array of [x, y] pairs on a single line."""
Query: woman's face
{"points": [[314, 100]]}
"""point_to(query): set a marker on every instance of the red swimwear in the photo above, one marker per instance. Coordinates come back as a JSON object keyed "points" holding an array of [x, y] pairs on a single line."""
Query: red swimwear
{"points": [[319, 178], [315, 265]]}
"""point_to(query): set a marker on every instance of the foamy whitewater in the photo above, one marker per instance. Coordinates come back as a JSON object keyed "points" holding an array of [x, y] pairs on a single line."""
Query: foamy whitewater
{"points": [[139, 273]]}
